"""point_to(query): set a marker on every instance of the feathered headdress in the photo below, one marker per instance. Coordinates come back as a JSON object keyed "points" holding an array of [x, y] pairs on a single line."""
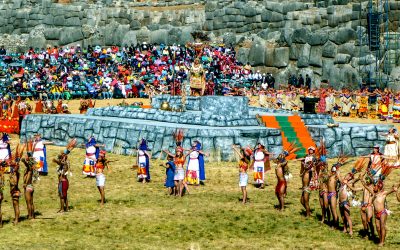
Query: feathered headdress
{"points": [[29, 147], [359, 165], [287, 151], [178, 136], [70, 146], [385, 171], [342, 160], [321, 150]]}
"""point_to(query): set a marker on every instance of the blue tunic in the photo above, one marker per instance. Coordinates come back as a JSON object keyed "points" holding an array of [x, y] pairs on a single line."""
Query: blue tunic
{"points": [[170, 172]]}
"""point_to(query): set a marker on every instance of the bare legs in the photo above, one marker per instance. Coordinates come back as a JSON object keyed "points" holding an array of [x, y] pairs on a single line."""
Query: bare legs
{"points": [[381, 228], [326, 214], [29, 204], [102, 195], [15, 201], [347, 223], [305, 202], [244, 192], [332, 206]]}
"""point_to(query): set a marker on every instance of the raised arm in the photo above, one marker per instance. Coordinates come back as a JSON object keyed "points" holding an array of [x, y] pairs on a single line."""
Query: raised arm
{"points": [[168, 153], [394, 190], [237, 151], [366, 187]]}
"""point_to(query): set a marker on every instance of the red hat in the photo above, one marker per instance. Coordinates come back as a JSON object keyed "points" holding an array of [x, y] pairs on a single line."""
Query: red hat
{"points": [[102, 153]]}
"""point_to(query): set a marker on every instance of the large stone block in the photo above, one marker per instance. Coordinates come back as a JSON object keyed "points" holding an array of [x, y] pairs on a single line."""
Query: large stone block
{"points": [[316, 56], [317, 38], [70, 35], [329, 50], [304, 57], [257, 53], [300, 35], [343, 35], [281, 57]]}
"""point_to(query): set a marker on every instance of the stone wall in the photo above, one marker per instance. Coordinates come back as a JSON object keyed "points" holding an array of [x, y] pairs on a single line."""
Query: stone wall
{"points": [[195, 118], [121, 135], [325, 39], [350, 139]]}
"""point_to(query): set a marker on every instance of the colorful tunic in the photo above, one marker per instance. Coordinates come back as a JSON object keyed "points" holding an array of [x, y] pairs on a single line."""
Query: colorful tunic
{"points": [[385, 106], [193, 169], [39, 155], [143, 165], [322, 103], [259, 166], [396, 110], [92, 153], [363, 104]]}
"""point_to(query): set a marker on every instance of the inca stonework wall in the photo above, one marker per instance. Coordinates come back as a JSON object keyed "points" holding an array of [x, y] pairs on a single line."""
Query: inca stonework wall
{"points": [[325, 39]]}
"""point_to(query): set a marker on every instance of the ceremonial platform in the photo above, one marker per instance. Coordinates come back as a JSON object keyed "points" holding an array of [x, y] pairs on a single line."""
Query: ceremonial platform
{"points": [[216, 121]]}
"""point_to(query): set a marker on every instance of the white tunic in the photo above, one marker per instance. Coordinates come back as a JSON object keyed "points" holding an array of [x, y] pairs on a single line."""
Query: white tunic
{"points": [[259, 160], [4, 154], [142, 158], [391, 146], [194, 161], [38, 151], [90, 155]]}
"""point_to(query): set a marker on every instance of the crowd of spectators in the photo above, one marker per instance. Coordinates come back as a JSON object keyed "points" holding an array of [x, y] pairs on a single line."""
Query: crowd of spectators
{"points": [[122, 72]]}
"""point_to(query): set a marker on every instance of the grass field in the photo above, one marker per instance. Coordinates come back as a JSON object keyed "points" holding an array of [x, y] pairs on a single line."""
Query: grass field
{"points": [[143, 216]]}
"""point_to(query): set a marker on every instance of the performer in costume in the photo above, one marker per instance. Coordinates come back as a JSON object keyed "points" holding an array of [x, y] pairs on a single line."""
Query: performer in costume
{"points": [[260, 164], [14, 181], [179, 161], [363, 105], [39, 106], [92, 153], [197, 78], [40, 155], [244, 162], [30, 176], [63, 170], [170, 174], [391, 147], [101, 164], [282, 174], [384, 107], [346, 102], [396, 109], [143, 162], [322, 101], [195, 173], [309, 178], [5, 150]]}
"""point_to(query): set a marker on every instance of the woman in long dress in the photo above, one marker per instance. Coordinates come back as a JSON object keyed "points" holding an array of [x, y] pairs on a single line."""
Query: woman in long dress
{"points": [[92, 154], [195, 173], [391, 147], [40, 155], [143, 162], [260, 164]]}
